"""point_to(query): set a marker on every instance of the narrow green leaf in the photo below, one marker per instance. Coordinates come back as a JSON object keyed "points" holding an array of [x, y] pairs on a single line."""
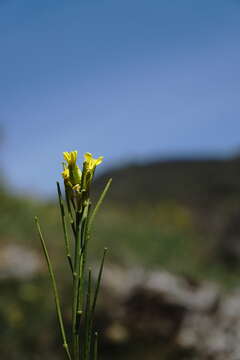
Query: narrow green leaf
{"points": [[55, 290], [87, 339], [83, 253], [75, 308], [100, 200], [78, 321], [65, 233], [70, 215], [98, 283], [95, 348]]}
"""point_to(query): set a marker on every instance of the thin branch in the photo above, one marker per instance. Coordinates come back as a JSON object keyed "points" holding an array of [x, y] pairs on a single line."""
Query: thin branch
{"points": [[100, 200], [55, 290], [66, 238]]}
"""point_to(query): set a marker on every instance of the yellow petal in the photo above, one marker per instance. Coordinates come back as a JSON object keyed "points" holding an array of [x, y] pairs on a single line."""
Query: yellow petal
{"points": [[76, 187], [70, 157], [91, 162], [66, 156], [65, 174], [88, 157], [99, 160]]}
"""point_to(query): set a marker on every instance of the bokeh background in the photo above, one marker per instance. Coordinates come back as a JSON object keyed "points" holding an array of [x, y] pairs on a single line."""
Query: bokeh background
{"points": [[154, 87]]}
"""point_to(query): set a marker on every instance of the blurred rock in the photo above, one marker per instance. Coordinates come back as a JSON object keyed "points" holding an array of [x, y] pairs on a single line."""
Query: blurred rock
{"points": [[18, 262], [217, 335], [195, 320]]}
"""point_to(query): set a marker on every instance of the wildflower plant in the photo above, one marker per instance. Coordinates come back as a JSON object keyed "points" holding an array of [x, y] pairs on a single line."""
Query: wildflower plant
{"points": [[77, 216]]}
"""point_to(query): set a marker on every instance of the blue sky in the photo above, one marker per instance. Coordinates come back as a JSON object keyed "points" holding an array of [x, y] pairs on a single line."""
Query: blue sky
{"points": [[130, 80]]}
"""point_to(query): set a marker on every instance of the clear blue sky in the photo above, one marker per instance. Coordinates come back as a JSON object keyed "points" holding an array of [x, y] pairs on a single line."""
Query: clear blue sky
{"points": [[126, 79]]}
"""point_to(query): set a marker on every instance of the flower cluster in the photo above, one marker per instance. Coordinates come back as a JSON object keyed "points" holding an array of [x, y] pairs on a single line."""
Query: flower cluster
{"points": [[77, 216], [75, 180]]}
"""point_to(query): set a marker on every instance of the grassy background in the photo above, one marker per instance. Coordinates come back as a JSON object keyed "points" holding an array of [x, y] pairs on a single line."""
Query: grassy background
{"points": [[163, 215]]}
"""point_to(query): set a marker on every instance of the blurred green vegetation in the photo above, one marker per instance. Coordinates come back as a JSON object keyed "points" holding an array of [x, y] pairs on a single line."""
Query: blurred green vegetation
{"points": [[154, 216], [159, 235]]}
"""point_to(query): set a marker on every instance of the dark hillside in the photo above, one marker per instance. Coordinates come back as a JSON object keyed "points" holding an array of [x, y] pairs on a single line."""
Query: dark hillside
{"points": [[210, 189], [191, 181], [180, 216]]}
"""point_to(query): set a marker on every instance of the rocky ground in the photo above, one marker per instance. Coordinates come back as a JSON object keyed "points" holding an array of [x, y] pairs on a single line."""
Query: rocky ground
{"points": [[195, 320], [153, 315]]}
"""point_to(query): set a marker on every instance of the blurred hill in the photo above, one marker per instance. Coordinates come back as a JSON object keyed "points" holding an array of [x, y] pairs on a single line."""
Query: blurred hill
{"points": [[208, 188], [193, 182], [181, 216]]}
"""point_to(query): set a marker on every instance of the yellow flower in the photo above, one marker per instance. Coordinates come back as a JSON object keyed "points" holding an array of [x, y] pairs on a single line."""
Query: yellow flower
{"points": [[91, 162], [76, 187], [71, 171], [65, 174], [70, 157]]}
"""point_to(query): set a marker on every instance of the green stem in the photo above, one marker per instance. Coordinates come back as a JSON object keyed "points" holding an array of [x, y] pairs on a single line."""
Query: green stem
{"points": [[98, 283], [95, 349], [92, 311], [75, 334], [87, 339], [100, 200], [70, 211], [55, 290], [83, 253], [66, 238], [78, 322]]}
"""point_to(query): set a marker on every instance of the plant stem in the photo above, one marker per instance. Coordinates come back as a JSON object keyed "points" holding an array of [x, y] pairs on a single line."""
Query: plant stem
{"points": [[87, 339], [66, 238], [95, 349], [70, 216], [92, 310], [100, 200], [75, 334], [98, 283], [55, 290], [83, 253]]}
